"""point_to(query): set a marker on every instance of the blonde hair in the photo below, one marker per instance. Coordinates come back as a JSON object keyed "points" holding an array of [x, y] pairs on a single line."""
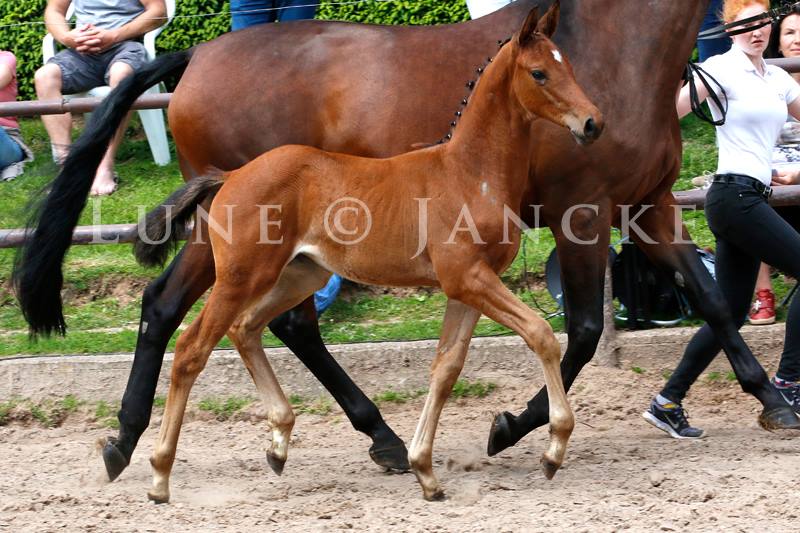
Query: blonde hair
{"points": [[732, 8]]}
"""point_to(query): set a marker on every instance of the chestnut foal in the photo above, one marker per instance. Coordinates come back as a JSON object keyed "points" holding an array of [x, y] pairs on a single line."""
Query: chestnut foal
{"points": [[433, 217]]}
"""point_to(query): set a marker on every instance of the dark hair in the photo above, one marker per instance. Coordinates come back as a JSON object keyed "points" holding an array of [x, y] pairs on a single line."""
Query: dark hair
{"points": [[773, 50]]}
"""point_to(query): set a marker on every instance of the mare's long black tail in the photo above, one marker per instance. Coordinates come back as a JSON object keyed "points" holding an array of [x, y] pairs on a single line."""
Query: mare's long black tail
{"points": [[37, 273]]}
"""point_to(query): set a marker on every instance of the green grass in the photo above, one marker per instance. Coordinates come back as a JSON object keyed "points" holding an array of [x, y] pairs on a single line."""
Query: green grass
{"points": [[223, 409], [475, 389], [5, 410], [103, 284], [319, 406], [399, 397]]}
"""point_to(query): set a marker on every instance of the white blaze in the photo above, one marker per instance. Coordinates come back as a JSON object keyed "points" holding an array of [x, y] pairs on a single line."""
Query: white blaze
{"points": [[557, 55]]}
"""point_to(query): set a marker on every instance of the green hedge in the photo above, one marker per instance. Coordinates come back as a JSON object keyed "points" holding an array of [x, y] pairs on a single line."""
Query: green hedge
{"points": [[26, 40]]}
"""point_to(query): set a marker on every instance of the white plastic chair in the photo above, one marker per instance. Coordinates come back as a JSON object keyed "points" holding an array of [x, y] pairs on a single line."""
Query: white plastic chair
{"points": [[152, 119]]}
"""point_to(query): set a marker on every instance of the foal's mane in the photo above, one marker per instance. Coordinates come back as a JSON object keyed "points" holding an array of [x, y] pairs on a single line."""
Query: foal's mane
{"points": [[460, 109]]}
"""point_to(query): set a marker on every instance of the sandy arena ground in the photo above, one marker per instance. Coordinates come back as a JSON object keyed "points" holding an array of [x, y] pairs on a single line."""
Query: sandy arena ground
{"points": [[620, 472]]}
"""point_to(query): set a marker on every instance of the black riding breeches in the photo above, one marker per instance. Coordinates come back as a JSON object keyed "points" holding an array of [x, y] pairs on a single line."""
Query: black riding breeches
{"points": [[748, 231]]}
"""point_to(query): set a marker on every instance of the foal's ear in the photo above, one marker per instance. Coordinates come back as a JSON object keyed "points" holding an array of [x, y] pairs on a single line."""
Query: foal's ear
{"points": [[526, 34], [547, 24]]}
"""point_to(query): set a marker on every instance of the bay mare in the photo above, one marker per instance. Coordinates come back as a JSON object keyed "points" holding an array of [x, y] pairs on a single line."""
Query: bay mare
{"points": [[263, 269], [247, 92]]}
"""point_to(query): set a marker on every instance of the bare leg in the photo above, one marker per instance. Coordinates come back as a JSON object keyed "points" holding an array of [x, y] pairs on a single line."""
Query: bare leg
{"points": [[459, 322], [104, 182], [48, 87], [763, 281]]}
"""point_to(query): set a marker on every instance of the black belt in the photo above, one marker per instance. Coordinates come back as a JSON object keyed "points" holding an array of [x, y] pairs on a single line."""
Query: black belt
{"points": [[741, 179]]}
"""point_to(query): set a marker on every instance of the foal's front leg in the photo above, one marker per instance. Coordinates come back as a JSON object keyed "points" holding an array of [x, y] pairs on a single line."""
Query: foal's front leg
{"points": [[482, 289], [459, 322]]}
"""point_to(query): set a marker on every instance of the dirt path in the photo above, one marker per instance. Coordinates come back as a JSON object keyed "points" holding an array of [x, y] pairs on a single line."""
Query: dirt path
{"points": [[620, 472]]}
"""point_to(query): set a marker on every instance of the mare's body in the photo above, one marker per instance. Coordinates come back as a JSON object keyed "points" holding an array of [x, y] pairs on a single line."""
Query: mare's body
{"points": [[377, 91]]}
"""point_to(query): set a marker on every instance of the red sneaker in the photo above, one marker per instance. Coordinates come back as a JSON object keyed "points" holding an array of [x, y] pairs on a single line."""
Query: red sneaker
{"points": [[763, 309]]}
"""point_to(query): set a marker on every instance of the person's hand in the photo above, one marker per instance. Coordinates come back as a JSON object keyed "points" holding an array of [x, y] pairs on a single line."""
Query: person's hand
{"points": [[76, 38], [786, 177], [95, 40]]}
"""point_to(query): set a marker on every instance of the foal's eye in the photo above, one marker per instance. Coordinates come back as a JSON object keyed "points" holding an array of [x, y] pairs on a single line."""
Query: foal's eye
{"points": [[539, 76]]}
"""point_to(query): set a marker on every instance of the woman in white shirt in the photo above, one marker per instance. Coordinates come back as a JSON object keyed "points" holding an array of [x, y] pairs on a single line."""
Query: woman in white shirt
{"points": [[786, 155], [747, 229]]}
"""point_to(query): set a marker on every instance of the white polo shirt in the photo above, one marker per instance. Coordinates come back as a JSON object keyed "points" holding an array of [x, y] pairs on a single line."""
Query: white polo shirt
{"points": [[480, 8], [757, 110]]}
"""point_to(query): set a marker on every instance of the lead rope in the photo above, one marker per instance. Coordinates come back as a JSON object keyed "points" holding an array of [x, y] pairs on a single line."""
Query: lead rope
{"points": [[694, 71]]}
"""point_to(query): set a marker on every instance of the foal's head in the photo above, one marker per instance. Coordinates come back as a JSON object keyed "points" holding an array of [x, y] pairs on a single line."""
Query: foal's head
{"points": [[543, 81]]}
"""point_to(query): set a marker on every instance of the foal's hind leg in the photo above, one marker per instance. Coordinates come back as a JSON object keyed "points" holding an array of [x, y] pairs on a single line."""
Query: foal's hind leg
{"points": [[191, 353], [459, 322], [164, 304], [298, 329], [484, 290], [298, 280]]}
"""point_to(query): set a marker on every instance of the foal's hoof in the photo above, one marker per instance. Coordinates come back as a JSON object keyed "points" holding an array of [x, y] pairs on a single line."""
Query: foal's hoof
{"points": [[779, 418], [157, 497], [114, 459], [500, 436], [392, 458], [276, 463], [549, 468], [435, 496]]}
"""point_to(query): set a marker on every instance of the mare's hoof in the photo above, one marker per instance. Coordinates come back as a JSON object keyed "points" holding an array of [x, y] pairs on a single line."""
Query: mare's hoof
{"points": [[157, 498], [392, 458], [779, 418], [114, 459], [549, 468], [500, 436], [275, 463], [436, 496]]}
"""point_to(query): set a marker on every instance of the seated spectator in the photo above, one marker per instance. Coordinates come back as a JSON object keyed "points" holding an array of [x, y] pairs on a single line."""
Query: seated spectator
{"points": [[102, 49], [246, 13], [13, 152], [479, 8]]}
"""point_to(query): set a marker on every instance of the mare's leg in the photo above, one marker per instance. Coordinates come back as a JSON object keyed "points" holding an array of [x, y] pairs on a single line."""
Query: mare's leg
{"points": [[484, 291], [582, 277], [299, 330], [682, 259], [459, 322], [164, 304]]}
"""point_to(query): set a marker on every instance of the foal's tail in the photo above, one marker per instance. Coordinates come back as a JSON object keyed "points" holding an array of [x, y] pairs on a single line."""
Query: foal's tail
{"points": [[37, 273], [159, 230]]}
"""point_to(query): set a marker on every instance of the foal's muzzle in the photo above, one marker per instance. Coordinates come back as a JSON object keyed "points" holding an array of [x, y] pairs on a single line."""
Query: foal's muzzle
{"points": [[592, 128]]}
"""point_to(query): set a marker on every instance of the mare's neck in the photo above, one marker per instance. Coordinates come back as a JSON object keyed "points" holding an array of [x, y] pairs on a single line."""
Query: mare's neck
{"points": [[492, 141]]}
